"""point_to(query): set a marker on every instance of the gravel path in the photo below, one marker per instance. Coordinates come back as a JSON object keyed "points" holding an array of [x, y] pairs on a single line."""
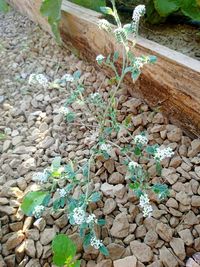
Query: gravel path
{"points": [[32, 133]]}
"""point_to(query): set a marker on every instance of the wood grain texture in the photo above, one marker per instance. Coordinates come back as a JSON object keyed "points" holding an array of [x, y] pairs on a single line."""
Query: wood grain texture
{"points": [[173, 83]]}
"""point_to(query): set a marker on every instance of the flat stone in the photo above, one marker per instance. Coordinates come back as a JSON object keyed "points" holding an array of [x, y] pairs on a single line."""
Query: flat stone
{"points": [[116, 178], [141, 251], [15, 240], [178, 247], [130, 261], [195, 201], [47, 142], [120, 228], [30, 248], [186, 236], [167, 258], [107, 189], [164, 231], [109, 206], [47, 236]]}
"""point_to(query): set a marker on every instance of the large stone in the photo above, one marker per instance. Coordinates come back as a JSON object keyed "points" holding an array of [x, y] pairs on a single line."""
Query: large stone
{"points": [[130, 261], [107, 189], [186, 236], [168, 258], [47, 236], [183, 198], [195, 148], [195, 201], [151, 238], [174, 135], [30, 248], [120, 228], [116, 178], [164, 231], [178, 247], [15, 240], [141, 251], [115, 251]]}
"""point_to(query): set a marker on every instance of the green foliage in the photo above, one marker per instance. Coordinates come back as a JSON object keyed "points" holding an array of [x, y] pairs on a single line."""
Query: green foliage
{"points": [[95, 5], [34, 199], [52, 10], [4, 7], [64, 251], [158, 10]]}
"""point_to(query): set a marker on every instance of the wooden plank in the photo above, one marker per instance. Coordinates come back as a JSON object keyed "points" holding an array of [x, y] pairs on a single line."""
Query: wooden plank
{"points": [[173, 83]]}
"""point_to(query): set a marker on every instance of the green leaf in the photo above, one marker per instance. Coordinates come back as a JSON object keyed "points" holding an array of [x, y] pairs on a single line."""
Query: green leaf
{"points": [[166, 7], [76, 264], [137, 151], [135, 74], [86, 240], [106, 10], [152, 59], [33, 199], [95, 197], [152, 15], [70, 117], [101, 222], [158, 168], [115, 56], [161, 190], [52, 10], [104, 250], [4, 7], [64, 249], [56, 163], [191, 8]]}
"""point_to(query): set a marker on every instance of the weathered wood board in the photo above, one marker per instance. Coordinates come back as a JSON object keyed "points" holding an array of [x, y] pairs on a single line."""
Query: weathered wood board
{"points": [[173, 83]]}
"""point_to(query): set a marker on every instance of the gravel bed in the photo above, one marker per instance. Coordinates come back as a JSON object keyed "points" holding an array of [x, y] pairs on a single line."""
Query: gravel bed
{"points": [[33, 133]]}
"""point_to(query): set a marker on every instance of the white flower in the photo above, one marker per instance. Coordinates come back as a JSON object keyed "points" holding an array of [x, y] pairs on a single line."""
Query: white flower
{"points": [[36, 79], [68, 78], [91, 218], [140, 139], [95, 96], [145, 205], [96, 243], [106, 147], [133, 165], [100, 59], [40, 177], [79, 215], [38, 211], [62, 192], [105, 25], [64, 110], [138, 12], [163, 153]]}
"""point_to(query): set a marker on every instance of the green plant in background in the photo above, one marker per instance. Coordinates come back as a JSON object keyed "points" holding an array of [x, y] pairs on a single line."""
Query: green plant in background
{"points": [[158, 10], [64, 252], [52, 10], [4, 7], [95, 5]]}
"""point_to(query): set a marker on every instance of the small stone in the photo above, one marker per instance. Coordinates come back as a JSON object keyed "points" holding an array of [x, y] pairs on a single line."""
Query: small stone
{"points": [[109, 206], [164, 231], [47, 142], [30, 248], [178, 247], [26, 166], [104, 263], [115, 251], [186, 236], [130, 261], [107, 189], [16, 140], [116, 178], [171, 202], [167, 258], [183, 198], [191, 263], [151, 238], [78, 241], [15, 240], [195, 148], [109, 165], [119, 190], [174, 135], [195, 201], [6, 145], [10, 260], [7, 210], [40, 224], [120, 228], [47, 236], [141, 251]]}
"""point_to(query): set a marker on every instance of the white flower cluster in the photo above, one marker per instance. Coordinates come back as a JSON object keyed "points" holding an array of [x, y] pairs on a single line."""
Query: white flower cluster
{"points": [[106, 147], [64, 110], [95, 96], [100, 59], [145, 205], [120, 35], [139, 63], [40, 177], [138, 12], [105, 25], [96, 243], [91, 218], [163, 153], [38, 211], [36, 79], [141, 139], [133, 165], [68, 78], [79, 215], [62, 192]]}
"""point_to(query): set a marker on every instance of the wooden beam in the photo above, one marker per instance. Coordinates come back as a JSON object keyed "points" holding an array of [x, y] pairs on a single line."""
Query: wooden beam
{"points": [[173, 83]]}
